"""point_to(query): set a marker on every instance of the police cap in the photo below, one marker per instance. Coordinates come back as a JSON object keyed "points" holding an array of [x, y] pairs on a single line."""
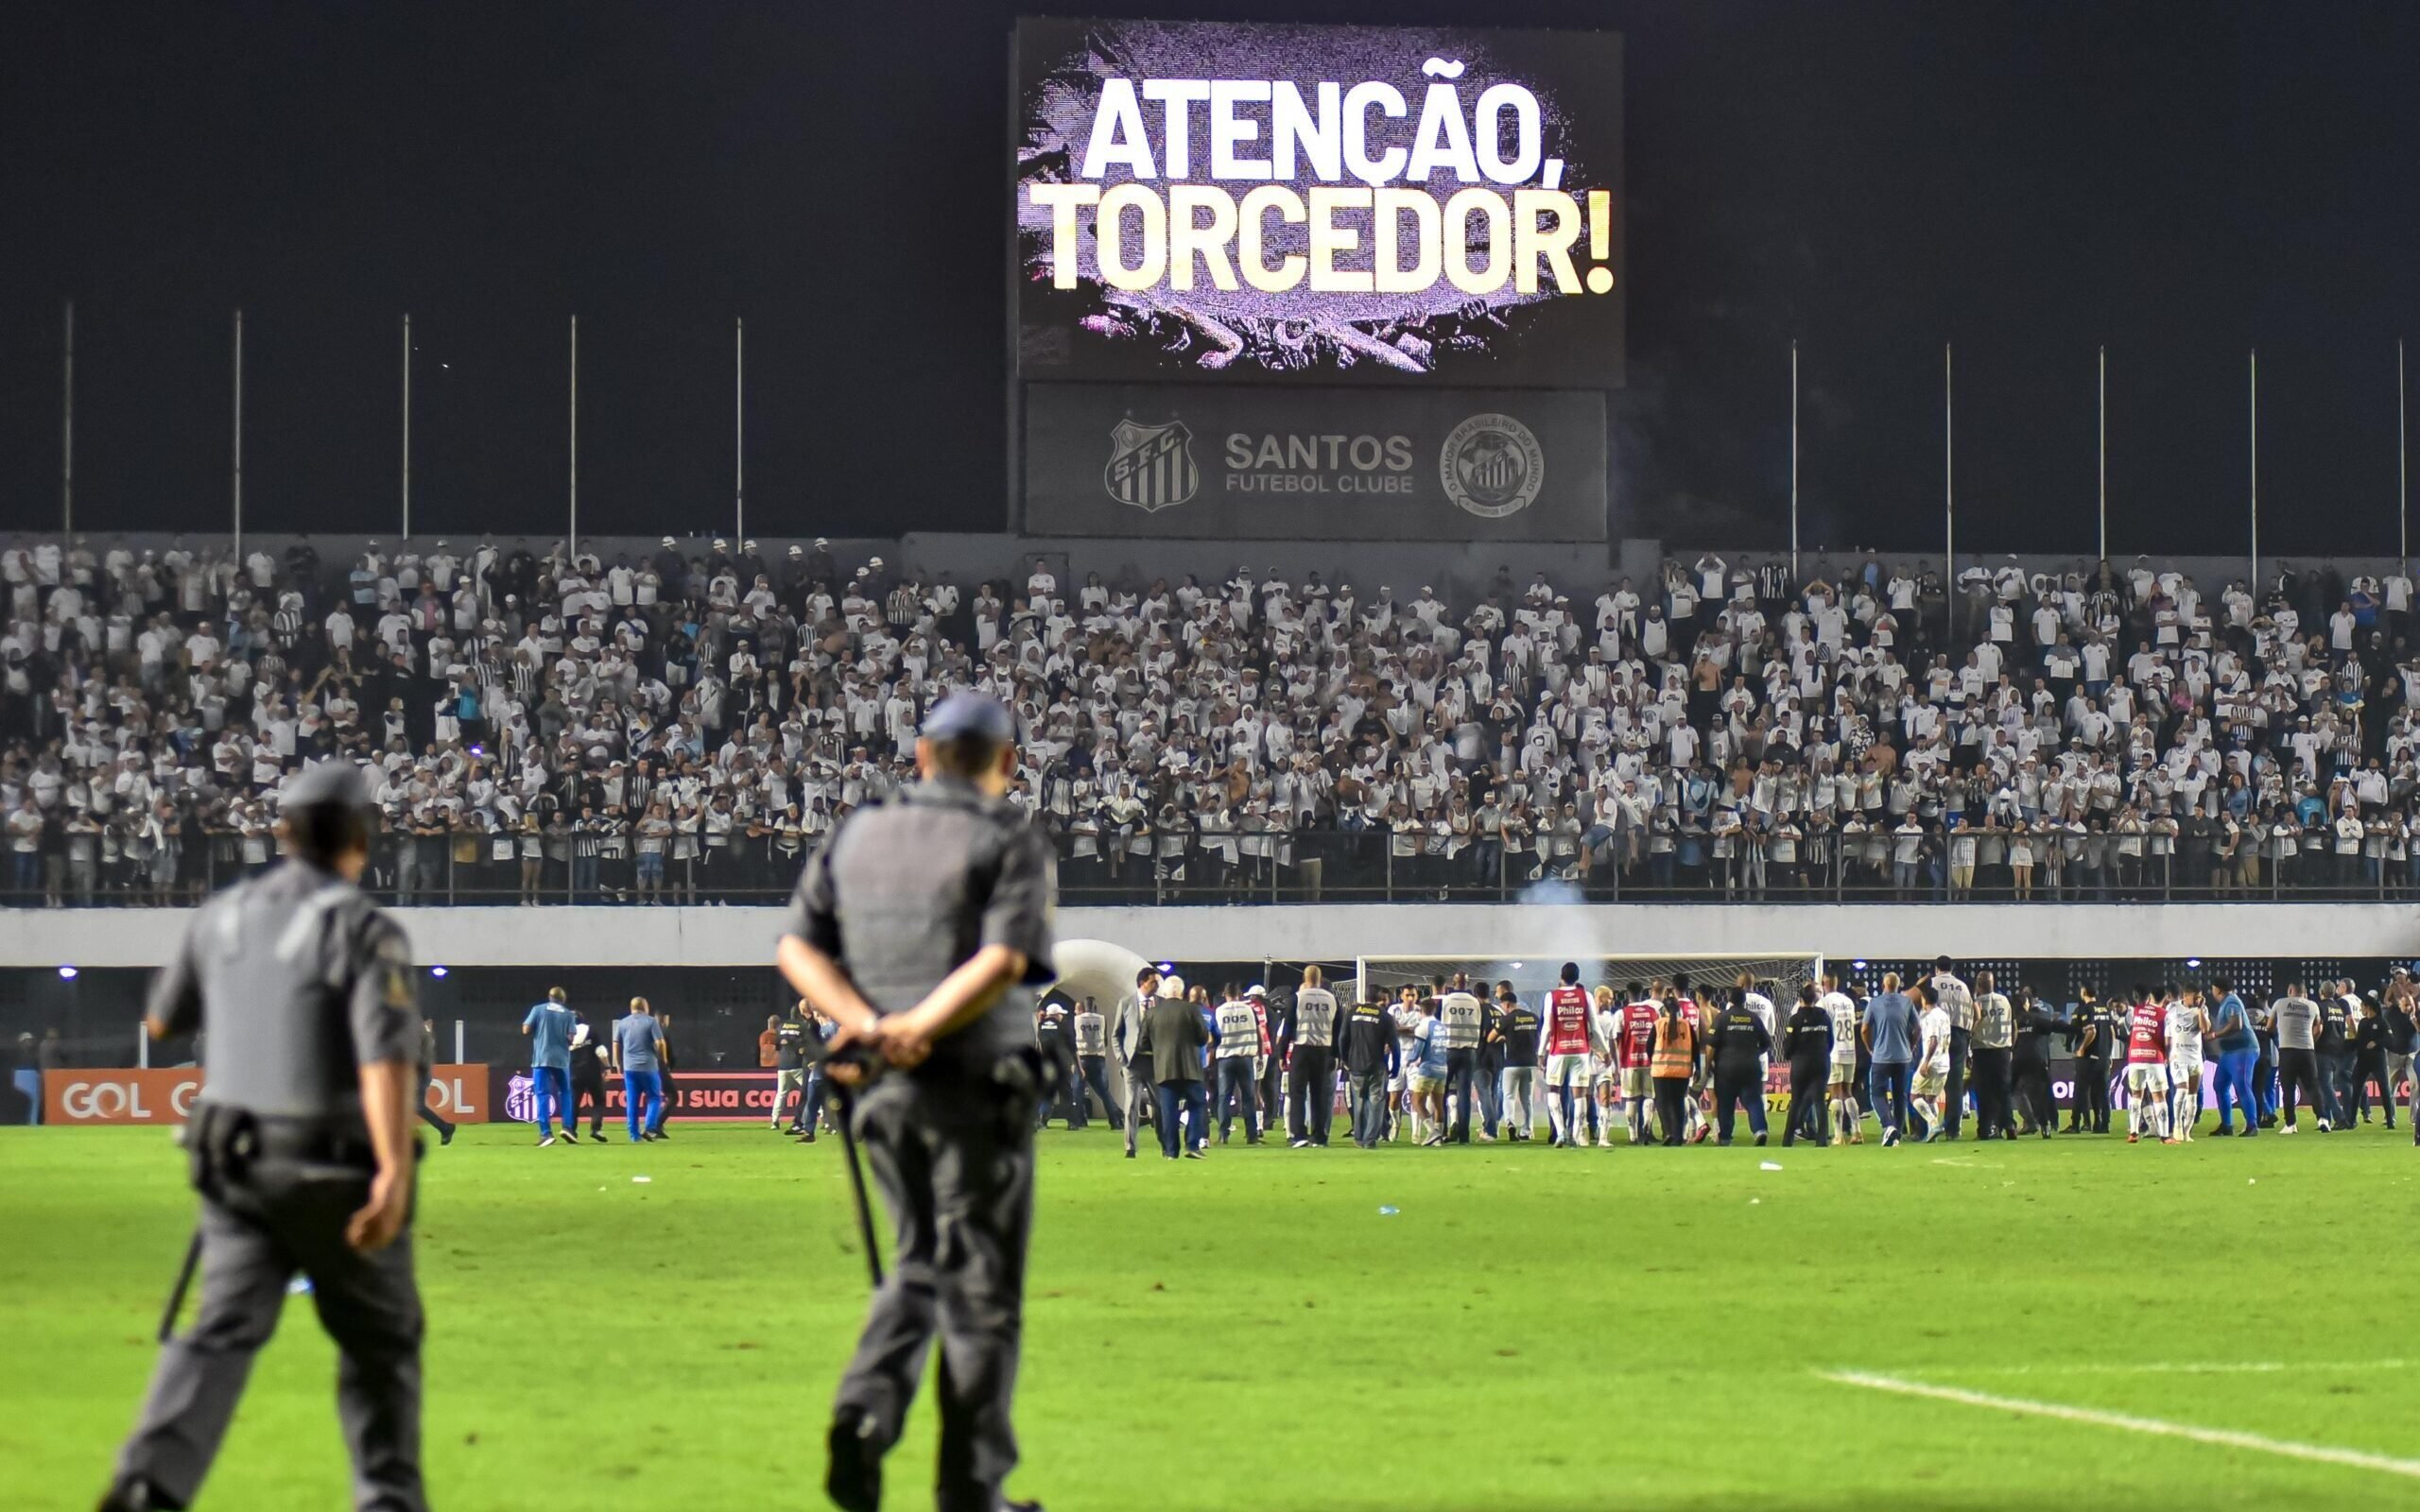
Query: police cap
{"points": [[329, 784], [970, 715]]}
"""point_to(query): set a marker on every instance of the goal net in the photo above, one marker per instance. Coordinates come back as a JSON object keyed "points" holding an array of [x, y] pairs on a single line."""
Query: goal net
{"points": [[1778, 977]]}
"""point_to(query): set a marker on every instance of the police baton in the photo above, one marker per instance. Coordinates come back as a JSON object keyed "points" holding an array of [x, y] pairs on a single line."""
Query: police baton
{"points": [[177, 1294], [871, 1065]]}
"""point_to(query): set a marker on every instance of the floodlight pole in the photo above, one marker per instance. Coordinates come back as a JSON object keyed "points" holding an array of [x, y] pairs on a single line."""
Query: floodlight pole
{"points": [[2104, 454], [1948, 494], [238, 453], [571, 536], [2255, 474], [1794, 464], [407, 426], [67, 423], [738, 430]]}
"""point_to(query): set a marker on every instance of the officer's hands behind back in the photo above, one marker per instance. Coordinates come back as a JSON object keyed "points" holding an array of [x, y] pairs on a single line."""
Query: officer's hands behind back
{"points": [[382, 1218]]}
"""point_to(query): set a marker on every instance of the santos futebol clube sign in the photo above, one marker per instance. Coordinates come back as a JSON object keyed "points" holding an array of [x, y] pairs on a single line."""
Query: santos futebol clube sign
{"points": [[1491, 465]]}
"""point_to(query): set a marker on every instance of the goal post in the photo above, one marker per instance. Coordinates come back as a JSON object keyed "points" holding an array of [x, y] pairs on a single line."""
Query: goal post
{"points": [[1780, 975]]}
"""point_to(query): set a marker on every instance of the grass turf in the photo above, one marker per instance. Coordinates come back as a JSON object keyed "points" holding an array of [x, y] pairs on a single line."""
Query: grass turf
{"points": [[1533, 1329]]}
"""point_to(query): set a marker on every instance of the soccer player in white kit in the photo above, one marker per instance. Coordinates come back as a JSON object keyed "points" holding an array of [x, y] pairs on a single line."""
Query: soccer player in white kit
{"points": [[1605, 1023], [1406, 1016], [1931, 1087], [2188, 1021], [1841, 1085], [1753, 998], [1570, 1036], [2146, 1069]]}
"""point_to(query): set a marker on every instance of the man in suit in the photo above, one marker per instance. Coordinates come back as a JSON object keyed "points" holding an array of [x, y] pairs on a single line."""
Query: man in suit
{"points": [[1125, 1042], [1174, 1039]]}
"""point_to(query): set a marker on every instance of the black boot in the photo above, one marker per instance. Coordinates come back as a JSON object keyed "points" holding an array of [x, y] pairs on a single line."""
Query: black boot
{"points": [[854, 1477], [138, 1495]]}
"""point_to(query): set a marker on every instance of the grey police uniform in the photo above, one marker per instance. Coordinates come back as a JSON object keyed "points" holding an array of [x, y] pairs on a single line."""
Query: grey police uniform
{"points": [[297, 979], [901, 896]]}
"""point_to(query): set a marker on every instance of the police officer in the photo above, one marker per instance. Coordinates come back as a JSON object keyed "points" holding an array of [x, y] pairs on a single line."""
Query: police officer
{"points": [[916, 927], [2093, 1032], [2037, 1111], [1371, 1059], [301, 1146]]}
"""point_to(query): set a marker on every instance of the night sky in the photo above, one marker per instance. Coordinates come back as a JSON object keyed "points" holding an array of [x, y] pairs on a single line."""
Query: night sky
{"points": [[2029, 181]]}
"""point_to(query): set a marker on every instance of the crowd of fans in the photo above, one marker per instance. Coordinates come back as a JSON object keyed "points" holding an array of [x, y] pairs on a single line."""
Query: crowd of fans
{"points": [[683, 726]]}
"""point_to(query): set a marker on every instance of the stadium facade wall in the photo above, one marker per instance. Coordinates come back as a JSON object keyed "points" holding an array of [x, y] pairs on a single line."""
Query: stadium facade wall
{"points": [[716, 936]]}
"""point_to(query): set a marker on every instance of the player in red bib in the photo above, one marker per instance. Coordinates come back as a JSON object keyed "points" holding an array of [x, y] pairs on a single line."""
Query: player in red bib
{"points": [[1634, 1053], [1569, 1077], [2146, 1069]]}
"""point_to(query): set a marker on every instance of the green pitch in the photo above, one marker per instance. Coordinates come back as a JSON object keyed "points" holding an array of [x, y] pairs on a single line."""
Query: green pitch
{"points": [[1532, 1329]]}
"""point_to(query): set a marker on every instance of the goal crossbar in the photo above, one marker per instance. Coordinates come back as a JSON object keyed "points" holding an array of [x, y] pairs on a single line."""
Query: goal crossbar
{"points": [[1787, 970]]}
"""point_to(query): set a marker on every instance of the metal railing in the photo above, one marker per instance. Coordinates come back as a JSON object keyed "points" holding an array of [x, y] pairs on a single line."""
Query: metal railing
{"points": [[1300, 867]]}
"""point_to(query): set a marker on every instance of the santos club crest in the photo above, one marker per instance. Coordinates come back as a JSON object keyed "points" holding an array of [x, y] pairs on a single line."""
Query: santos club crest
{"points": [[1150, 467], [1492, 466]]}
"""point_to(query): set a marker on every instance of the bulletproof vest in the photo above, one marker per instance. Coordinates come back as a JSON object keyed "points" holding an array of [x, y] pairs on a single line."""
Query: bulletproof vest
{"points": [[288, 967]]}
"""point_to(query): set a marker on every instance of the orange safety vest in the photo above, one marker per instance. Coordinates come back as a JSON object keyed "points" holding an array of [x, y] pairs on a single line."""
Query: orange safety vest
{"points": [[1676, 1048]]}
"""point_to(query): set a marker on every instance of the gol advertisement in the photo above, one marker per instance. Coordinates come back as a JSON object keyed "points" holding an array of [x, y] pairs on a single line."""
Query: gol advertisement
{"points": [[457, 1093]]}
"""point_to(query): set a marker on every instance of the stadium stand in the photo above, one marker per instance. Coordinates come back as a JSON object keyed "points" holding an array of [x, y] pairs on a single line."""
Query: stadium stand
{"points": [[680, 726]]}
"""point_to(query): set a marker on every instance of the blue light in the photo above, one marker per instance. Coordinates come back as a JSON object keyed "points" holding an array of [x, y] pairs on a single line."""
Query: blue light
{"points": [[67, 973], [437, 970]]}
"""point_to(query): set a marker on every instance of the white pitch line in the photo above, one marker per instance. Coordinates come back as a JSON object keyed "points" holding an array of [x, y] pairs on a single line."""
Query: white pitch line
{"points": [[2316, 1454], [2186, 1367]]}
